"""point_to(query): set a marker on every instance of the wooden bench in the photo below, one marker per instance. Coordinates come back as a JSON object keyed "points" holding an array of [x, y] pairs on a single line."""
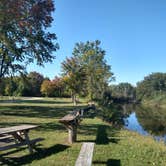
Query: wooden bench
{"points": [[16, 136], [85, 155]]}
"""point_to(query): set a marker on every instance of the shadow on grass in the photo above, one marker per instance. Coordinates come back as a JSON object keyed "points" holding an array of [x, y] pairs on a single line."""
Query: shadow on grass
{"points": [[109, 162], [105, 134], [102, 136], [40, 154], [37, 111], [36, 101]]}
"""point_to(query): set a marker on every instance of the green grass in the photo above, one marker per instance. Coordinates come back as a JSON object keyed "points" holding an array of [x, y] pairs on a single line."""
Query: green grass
{"points": [[113, 146]]}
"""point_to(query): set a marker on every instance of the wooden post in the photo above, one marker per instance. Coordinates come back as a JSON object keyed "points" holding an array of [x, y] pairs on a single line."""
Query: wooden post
{"points": [[28, 141], [72, 131]]}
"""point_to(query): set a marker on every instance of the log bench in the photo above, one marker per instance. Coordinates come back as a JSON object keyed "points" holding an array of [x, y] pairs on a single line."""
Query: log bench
{"points": [[16, 136], [85, 155]]}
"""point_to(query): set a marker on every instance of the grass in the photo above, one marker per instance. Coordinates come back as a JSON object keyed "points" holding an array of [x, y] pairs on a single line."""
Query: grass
{"points": [[113, 146]]}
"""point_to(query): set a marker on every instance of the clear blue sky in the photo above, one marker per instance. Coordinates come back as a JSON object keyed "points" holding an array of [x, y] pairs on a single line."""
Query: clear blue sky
{"points": [[133, 33]]}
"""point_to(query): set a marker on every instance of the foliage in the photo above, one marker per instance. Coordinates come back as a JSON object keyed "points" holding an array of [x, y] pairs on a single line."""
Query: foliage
{"points": [[123, 90], [152, 86], [73, 76], [23, 35], [35, 80], [152, 119], [97, 71], [46, 88]]}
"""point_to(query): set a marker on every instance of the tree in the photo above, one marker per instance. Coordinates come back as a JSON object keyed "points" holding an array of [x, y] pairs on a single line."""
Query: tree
{"points": [[152, 85], [98, 72], [24, 87], [58, 86], [123, 90], [23, 35], [46, 88], [73, 76], [35, 80]]}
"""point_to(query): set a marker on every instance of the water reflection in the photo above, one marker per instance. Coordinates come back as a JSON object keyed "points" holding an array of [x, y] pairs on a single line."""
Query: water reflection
{"points": [[148, 121], [145, 121], [131, 123]]}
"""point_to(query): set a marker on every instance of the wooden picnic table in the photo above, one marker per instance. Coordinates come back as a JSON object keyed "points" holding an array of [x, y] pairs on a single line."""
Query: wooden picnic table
{"points": [[20, 137]]}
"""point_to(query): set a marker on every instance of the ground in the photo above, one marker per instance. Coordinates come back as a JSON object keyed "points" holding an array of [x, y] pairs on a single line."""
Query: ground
{"points": [[113, 146]]}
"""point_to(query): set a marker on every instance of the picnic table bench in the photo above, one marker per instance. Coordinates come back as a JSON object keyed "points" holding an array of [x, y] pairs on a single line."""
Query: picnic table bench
{"points": [[85, 155], [18, 136]]}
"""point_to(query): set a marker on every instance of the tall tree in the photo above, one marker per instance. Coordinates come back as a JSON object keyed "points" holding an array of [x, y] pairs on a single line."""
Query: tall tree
{"points": [[98, 72], [23, 35], [73, 76]]}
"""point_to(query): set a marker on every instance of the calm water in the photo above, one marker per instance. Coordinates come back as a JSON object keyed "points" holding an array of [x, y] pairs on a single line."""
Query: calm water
{"points": [[146, 121]]}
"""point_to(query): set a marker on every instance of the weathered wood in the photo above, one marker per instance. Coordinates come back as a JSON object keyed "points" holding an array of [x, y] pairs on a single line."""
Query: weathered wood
{"points": [[85, 155], [71, 122], [10, 130], [6, 146], [20, 135], [5, 137], [28, 141], [72, 131]]}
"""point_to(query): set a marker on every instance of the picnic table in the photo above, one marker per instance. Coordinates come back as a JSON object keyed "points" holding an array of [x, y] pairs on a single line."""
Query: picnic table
{"points": [[18, 136]]}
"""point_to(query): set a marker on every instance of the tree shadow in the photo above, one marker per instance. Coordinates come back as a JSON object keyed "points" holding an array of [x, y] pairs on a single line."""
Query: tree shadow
{"points": [[105, 133], [35, 101], [39, 154], [109, 162], [37, 111], [102, 136]]}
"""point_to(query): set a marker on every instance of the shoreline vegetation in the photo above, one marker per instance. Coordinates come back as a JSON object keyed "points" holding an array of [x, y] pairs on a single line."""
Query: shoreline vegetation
{"points": [[114, 145]]}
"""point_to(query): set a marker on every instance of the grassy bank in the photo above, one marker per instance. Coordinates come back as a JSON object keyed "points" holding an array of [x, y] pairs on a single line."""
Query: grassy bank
{"points": [[113, 146], [157, 101]]}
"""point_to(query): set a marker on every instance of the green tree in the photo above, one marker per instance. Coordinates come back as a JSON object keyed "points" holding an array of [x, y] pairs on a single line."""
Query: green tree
{"points": [[73, 77], [152, 85], [98, 72], [123, 90], [23, 35], [46, 88], [35, 79]]}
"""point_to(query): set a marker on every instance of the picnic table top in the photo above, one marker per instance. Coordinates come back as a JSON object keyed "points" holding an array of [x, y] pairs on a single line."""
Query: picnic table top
{"points": [[9, 130], [67, 118]]}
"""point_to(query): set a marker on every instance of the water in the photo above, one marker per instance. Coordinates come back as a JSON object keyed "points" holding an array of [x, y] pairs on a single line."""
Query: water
{"points": [[146, 121]]}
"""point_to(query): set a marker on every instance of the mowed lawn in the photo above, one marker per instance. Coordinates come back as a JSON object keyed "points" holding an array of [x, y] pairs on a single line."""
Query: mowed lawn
{"points": [[113, 146]]}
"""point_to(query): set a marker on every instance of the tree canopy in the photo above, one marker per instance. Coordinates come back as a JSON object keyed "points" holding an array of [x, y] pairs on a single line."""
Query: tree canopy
{"points": [[151, 86], [87, 71], [23, 35]]}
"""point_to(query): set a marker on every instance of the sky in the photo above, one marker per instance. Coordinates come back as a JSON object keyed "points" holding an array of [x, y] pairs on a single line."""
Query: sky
{"points": [[132, 32]]}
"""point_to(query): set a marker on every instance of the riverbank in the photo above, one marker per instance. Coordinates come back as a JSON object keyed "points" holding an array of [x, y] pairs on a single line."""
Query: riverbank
{"points": [[158, 101], [114, 146]]}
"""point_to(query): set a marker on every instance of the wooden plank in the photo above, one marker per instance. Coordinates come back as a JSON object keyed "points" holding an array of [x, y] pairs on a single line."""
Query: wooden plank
{"points": [[5, 137], [85, 155], [7, 146], [67, 118], [9, 130]]}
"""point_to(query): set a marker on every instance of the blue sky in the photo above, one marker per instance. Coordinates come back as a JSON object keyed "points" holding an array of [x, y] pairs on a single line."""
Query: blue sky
{"points": [[133, 33]]}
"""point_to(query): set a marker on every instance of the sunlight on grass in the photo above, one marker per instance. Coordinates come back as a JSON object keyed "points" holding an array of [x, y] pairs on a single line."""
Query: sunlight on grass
{"points": [[113, 146]]}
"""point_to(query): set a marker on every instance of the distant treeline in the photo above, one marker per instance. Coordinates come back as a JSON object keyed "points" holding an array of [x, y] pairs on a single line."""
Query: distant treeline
{"points": [[35, 84], [150, 87]]}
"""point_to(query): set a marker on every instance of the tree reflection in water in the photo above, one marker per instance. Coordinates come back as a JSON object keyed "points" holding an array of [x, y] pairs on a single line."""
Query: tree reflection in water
{"points": [[146, 121], [153, 120]]}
